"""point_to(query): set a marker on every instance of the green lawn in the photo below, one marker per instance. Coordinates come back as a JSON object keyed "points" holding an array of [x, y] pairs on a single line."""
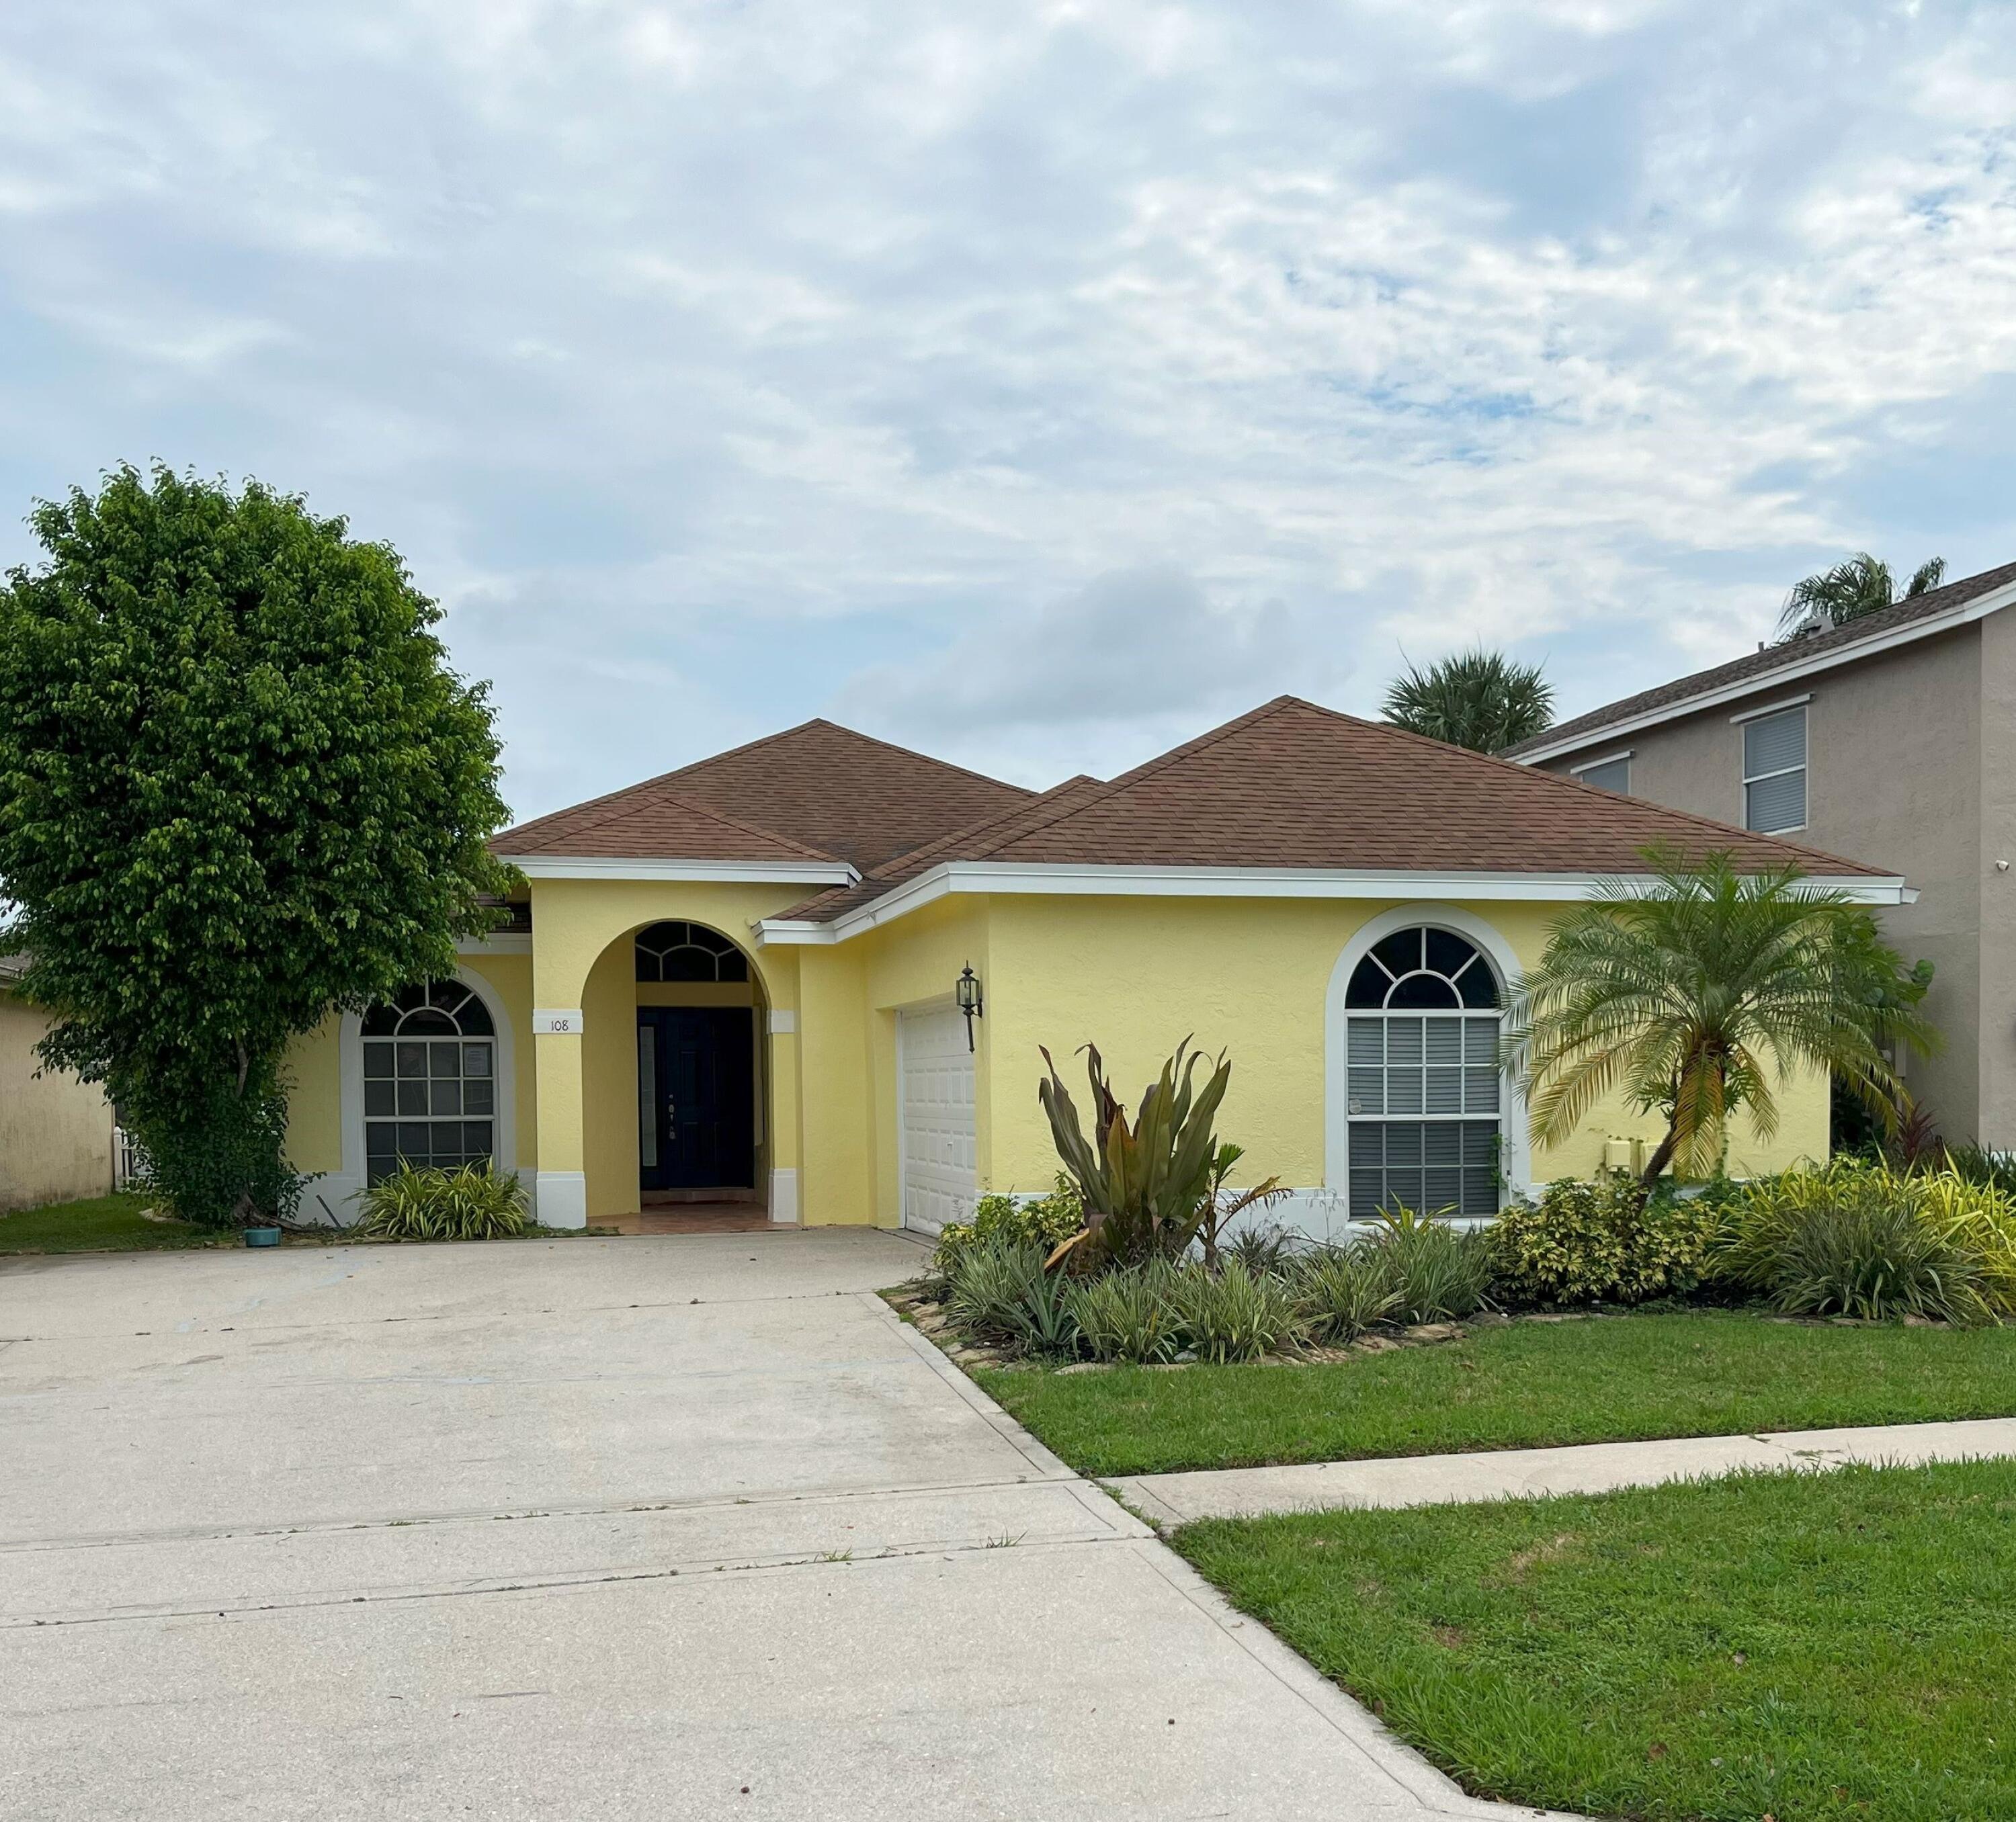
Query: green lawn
{"points": [[1525, 1385], [106, 1223], [1831, 1645]]}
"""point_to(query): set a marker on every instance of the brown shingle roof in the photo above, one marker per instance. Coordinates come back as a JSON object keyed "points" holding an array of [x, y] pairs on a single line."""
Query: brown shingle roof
{"points": [[826, 906], [1760, 665], [817, 791], [1293, 784], [650, 821]]}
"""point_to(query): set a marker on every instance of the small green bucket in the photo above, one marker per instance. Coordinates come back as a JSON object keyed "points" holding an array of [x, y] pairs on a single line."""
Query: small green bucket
{"points": [[262, 1236]]}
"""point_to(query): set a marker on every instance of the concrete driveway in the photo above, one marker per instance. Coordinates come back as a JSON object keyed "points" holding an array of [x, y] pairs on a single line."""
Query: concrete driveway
{"points": [[609, 1529]]}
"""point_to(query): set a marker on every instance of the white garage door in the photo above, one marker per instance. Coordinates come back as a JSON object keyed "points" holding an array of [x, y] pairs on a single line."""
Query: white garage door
{"points": [[938, 1153]]}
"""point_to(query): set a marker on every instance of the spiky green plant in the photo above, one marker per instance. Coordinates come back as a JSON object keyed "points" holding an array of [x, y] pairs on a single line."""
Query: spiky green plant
{"points": [[1695, 992], [474, 1203], [1868, 1255], [1861, 585], [1145, 1183], [1234, 1314], [1440, 1272], [1478, 698], [1342, 1291], [1128, 1315]]}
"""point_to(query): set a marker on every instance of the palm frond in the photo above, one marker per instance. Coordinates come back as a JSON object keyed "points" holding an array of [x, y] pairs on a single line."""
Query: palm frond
{"points": [[1479, 699]]}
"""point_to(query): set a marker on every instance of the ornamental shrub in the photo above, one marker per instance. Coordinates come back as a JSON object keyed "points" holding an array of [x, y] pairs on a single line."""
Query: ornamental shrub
{"points": [[1044, 1221], [475, 1202], [1781, 1230], [1869, 1256], [1601, 1242], [239, 786]]}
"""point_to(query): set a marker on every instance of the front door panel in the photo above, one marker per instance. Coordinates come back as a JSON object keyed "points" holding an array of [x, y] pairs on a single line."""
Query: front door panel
{"points": [[696, 1091]]}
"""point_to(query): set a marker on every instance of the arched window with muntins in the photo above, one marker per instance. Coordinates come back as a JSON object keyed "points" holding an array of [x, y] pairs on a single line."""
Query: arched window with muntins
{"points": [[1425, 1111], [429, 1080], [678, 951]]}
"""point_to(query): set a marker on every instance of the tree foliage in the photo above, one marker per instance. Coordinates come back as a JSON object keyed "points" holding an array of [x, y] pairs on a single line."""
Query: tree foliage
{"points": [[1479, 699], [1693, 996], [238, 786], [1862, 585]]}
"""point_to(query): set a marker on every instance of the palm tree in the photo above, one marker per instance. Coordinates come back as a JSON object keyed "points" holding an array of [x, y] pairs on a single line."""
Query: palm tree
{"points": [[1691, 995], [1849, 590], [1479, 699]]}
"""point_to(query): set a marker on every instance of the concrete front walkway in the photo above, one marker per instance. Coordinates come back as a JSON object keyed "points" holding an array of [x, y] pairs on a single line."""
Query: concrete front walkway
{"points": [[609, 1529], [1169, 1500]]}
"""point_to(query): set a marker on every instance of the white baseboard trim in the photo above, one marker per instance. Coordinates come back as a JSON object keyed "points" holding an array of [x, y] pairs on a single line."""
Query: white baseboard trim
{"points": [[560, 1198], [784, 1196]]}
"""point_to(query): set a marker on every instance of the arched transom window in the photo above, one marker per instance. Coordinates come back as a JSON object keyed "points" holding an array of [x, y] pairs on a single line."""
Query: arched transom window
{"points": [[680, 951], [429, 1080], [1423, 1012]]}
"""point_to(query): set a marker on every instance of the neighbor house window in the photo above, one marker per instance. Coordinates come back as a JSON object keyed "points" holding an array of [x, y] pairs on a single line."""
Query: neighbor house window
{"points": [[429, 1080], [685, 952], [1774, 771], [1424, 1010], [1608, 774]]}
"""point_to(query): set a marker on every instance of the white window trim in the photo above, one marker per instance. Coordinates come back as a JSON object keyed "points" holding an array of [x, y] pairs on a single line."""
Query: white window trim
{"points": [[1804, 766], [1515, 1146], [335, 1188], [1776, 708], [1621, 757]]}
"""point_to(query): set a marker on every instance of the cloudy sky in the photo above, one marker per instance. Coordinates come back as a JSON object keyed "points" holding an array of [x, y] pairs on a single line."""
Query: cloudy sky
{"points": [[1036, 382]]}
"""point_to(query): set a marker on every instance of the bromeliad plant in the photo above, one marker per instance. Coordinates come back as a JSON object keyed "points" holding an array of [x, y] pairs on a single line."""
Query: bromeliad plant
{"points": [[1145, 1183]]}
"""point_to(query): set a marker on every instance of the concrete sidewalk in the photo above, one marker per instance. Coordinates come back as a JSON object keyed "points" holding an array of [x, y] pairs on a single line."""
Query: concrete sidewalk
{"points": [[1170, 1500], [621, 1529]]}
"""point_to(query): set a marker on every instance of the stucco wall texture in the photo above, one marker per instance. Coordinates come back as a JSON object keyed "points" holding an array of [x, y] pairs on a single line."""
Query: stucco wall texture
{"points": [[1910, 767], [55, 1132], [1252, 977]]}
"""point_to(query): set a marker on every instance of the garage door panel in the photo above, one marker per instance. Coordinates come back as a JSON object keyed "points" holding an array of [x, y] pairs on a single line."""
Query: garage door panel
{"points": [[940, 1150]]}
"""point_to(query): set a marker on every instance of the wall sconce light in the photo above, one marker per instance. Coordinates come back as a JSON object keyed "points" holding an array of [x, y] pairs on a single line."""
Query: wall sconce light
{"points": [[969, 1000]]}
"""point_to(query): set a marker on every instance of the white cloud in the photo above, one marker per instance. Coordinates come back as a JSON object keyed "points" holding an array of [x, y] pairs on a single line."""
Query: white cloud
{"points": [[722, 364]]}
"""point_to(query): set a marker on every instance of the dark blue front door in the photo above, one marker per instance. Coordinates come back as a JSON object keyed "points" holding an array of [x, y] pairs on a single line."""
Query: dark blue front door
{"points": [[695, 1098]]}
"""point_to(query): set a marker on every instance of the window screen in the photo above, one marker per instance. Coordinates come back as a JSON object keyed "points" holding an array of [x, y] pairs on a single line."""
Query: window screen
{"points": [[1422, 1039], [1774, 772], [1613, 775]]}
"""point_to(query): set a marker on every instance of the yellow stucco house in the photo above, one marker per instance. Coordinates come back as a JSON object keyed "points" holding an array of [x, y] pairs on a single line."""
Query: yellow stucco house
{"points": [[740, 984]]}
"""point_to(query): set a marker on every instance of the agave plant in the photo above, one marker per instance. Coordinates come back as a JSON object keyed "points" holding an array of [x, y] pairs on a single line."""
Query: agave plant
{"points": [[1145, 1183]]}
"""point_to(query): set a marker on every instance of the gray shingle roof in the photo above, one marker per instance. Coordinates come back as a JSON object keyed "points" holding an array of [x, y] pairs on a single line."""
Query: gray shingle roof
{"points": [[1758, 666]]}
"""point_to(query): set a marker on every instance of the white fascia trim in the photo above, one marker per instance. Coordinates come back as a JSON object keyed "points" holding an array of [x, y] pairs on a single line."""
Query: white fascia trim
{"points": [[732, 872], [1980, 607], [1777, 708], [1609, 758], [1000, 876]]}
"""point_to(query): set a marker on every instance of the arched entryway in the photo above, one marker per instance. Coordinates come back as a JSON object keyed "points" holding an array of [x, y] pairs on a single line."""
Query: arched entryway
{"points": [[703, 1136]]}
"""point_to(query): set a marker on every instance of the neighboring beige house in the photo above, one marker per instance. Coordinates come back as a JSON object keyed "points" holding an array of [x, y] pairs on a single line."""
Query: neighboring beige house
{"points": [[1892, 740], [55, 1132]]}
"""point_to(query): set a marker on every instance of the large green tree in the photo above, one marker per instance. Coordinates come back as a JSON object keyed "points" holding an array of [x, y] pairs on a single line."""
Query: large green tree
{"points": [[1695, 993], [1479, 699], [1861, 584], [239, 786]]}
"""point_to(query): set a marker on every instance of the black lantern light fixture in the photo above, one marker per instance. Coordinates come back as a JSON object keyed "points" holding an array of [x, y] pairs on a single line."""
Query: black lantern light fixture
{"points": [[969, 1000]]}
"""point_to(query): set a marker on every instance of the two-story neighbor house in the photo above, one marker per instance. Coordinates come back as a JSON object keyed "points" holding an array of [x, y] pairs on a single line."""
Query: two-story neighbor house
{"points": [[1891, 739]]}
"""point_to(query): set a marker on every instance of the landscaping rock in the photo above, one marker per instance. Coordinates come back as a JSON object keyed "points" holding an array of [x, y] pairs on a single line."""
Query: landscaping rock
{"points": [[1434, 1332], [1084, 1366], [1375, 1344]]}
